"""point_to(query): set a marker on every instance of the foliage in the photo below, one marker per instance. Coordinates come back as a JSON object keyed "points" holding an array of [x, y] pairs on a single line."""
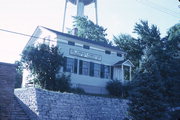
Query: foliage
{"points": [[19, 72], [154, 90], [174, 32], [117, 89], [78, 90], [114, 87], [147, 37], [43, 62], [87, 29], [63, 83], [131, 46], [170, 69], [146, 96]]}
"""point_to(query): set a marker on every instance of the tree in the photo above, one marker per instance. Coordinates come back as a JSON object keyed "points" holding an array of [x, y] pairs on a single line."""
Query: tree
{"points": [[19, 71], [87, 29], [155, 87], [131, 46], [148, 36], [146, 94], [174, 32], [170, 69], [43, 62]]}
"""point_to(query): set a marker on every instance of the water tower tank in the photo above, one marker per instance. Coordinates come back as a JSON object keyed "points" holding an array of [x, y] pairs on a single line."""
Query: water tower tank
{"points": [[86, 2], [80, 4]]}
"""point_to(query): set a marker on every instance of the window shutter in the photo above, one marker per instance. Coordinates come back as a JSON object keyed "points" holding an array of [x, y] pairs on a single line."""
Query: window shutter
{"points": [[112, 71], [65, 63], [80, 66], [71, 43], [75, 66], [102, 71], [91, 69]]}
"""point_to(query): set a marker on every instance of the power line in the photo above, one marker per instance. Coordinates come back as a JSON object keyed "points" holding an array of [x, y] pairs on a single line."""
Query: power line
{"points": [[156, 7], [26, 35]]}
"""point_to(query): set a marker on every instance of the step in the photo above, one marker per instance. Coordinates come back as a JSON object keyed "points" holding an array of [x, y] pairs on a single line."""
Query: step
{"points": [[18, 113]]}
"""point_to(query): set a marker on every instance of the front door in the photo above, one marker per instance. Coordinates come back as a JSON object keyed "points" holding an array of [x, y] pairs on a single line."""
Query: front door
{"points": [[117, 73]]}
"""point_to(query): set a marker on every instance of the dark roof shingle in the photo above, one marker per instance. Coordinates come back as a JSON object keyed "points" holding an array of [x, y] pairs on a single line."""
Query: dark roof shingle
{"points": [[85, 40]]}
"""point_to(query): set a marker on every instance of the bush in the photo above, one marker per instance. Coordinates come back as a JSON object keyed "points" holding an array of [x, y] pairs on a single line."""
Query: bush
{"points": [[126, 88], [43, 62], [63, 84], [78, 90], [114, 88]]}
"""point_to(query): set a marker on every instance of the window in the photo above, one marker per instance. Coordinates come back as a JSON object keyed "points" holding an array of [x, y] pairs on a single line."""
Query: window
{"points": [[71, 43], [70, 65], [84, 68], [97, 70], [85, 46], [106, 72], [119, 54], [94, 69], [108, 52]]}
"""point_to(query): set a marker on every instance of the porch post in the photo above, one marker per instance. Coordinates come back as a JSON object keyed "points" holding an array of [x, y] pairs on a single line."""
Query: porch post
{"points": [[122, 73], [130, 73]]}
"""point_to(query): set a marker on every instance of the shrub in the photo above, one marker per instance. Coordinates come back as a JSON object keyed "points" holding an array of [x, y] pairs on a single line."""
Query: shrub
{"points": [[114, 88], [78, 90], [63, 84], [43, 62]]}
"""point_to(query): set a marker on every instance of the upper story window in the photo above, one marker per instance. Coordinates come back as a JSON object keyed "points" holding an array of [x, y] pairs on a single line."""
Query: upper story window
{"points": [[71, 43], [108, 52], [97, 70], [119, 54], [85, 46]]}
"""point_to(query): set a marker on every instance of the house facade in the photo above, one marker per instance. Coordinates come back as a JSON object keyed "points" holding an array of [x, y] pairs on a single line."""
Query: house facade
{"points": [[91, 64]]}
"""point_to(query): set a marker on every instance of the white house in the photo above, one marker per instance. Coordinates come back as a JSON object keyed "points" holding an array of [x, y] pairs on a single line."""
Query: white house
{"points": [[91, 64]]}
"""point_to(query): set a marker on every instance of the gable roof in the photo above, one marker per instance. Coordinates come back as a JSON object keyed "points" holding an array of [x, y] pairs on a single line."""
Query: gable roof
{"points": [[122, 62], [85, 40]]}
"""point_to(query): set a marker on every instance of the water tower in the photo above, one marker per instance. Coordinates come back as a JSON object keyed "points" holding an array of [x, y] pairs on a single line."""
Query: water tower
{"points": [[80, 4]]}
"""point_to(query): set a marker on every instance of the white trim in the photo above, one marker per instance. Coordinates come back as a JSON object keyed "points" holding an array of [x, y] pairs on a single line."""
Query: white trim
{"points": [[130, 74], [124, 63], [122, 73]]}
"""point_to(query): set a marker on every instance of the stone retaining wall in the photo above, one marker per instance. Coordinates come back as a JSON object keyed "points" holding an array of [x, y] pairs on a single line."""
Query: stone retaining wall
{"points": [[46, 105], [7, 80]]}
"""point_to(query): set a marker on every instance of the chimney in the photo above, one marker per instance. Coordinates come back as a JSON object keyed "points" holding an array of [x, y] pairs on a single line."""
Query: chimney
{"points": [[75, 31]]}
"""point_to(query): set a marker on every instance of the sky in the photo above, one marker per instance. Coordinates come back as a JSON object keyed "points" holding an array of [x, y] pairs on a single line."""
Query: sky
{"points": [[118, 16]]}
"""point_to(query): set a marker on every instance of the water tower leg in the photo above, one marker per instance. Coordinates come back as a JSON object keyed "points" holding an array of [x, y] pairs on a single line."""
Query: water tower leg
{"points": [[80, 8], [96, 12], [64, 15]]}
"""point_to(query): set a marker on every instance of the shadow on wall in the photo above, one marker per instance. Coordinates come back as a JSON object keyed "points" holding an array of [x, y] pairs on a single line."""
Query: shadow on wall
{"points": [[7, 78], [27, 110]]}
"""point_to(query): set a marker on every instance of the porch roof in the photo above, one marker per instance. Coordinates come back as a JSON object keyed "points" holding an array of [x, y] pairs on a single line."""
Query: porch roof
{"points": [[124, 62]]}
